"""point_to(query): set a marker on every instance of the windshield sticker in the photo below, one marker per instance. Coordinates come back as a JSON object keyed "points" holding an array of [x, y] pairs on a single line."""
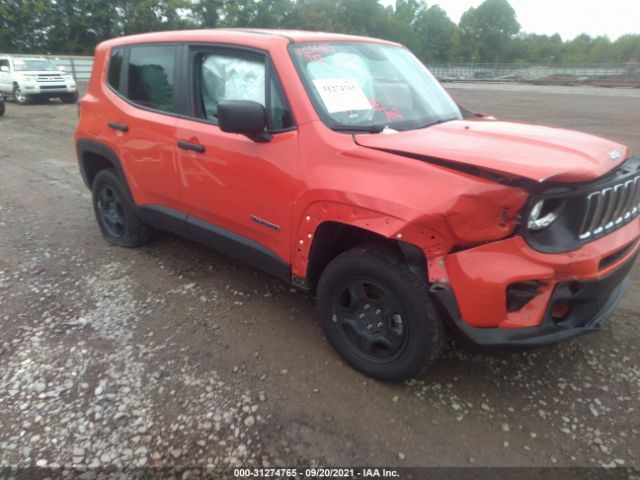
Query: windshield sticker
{"points": [[392, 114], [17, 61], [314, 52], [341, 94]]}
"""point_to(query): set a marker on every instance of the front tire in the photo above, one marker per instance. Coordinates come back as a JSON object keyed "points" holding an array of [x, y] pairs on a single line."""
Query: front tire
{"points": [[20, 97], [69, 97], [115, 212], [378, 315]]}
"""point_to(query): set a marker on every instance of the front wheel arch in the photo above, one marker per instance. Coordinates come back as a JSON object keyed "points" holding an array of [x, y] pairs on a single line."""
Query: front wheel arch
{"points": [[333, 238], [25, 98]]}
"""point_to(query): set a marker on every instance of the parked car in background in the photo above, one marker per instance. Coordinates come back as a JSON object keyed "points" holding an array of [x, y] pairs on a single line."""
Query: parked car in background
{"points": [[29, 78], [340, 165]]}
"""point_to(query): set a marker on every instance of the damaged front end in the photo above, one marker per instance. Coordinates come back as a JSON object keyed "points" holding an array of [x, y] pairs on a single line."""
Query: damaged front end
{"points": [[560, 274]]}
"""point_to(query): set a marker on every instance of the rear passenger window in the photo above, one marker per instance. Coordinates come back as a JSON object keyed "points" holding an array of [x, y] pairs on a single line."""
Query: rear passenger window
{"points": [[115, 68], [150, 80]]}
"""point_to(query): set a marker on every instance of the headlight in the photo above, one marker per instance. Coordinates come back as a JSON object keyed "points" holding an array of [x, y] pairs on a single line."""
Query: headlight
{"points": [[544, 213], [69, 78], [29, 78]]}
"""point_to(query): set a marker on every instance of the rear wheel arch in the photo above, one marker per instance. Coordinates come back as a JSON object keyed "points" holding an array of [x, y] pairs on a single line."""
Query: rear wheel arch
{"points": [[95, 156]]}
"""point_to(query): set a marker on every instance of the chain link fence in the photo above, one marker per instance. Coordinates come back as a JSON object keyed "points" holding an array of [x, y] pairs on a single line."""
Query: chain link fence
{"points": [[79, 67], [627, 74]]}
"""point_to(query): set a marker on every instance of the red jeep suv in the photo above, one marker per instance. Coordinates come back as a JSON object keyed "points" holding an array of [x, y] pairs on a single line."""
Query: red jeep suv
{"points": [[339, 164]]}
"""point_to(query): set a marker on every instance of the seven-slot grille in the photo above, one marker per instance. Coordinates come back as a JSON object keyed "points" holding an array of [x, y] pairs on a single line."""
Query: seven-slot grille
{"points": [[610, 208]]}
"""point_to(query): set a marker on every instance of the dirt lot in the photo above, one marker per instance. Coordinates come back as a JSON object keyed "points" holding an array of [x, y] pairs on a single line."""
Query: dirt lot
{"points": [[172, 354]]}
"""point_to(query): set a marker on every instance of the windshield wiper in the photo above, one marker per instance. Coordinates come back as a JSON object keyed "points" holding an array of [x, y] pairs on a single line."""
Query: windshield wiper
{"points": [[437, 122], [358, 128]]}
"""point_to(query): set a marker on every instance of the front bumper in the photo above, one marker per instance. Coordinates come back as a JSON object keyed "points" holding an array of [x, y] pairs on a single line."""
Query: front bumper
{"points": [[38, 89], [471, 289]]}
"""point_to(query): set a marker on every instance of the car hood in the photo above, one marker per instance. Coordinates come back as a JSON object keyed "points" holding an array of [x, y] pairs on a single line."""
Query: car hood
{"points": [[515, 150], [40, 72]]}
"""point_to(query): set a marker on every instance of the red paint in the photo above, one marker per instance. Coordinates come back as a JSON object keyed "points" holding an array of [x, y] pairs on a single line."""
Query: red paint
{"points": [[481, 275], [313, 175], [516, 149]]}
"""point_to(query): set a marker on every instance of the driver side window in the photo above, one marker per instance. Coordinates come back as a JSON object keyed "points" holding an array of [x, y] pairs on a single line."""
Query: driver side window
{"points": [[230, 78], [241, 76]]}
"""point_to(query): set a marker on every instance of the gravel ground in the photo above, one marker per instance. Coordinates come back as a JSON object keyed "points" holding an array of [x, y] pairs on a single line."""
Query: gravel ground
{"points": [[172, 355]]}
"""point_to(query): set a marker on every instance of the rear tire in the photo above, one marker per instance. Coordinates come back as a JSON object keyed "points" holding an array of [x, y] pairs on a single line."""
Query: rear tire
{"points": [[2, 107], [378, 315], [115, 212]]}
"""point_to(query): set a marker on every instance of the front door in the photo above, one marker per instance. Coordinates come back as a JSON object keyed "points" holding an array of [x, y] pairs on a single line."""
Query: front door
{"points": [[242, 188]]}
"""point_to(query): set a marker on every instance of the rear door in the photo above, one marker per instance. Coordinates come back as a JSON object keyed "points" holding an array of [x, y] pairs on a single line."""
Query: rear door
{"points": [[146, 124], [235, 186]]}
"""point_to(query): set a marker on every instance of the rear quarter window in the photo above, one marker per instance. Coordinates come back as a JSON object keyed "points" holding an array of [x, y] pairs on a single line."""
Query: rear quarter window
{"points": [[115, 68], [151, 76]]}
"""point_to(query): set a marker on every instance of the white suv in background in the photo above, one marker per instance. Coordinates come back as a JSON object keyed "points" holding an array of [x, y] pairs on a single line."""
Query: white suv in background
{"points": [[27, 78]]}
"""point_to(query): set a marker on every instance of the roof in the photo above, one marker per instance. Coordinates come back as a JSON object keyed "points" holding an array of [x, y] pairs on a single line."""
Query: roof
{"points": [[258, 38]]}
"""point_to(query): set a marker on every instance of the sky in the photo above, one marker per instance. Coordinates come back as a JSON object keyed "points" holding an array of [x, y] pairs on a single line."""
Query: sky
{"points": [[569, 18]]}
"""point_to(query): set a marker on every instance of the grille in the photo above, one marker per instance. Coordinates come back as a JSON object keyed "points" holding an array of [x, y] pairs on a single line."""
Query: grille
{"points": [[50, 77], [610, 208]]}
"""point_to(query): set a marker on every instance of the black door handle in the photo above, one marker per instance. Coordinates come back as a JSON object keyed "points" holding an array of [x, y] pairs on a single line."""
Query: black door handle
{"points": [[119, 126], [196, 147]]}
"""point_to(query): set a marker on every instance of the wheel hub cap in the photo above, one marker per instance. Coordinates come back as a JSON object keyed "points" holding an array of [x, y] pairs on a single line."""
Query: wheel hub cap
{"points": [[110, 211], [369, 317]]}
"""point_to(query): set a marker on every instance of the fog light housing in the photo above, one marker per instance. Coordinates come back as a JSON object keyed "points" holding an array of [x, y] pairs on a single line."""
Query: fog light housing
{"points": [[521, 293]]}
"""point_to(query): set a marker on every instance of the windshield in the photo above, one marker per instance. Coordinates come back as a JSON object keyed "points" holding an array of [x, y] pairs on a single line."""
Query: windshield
{"points": [[369, 86], [33, 65]]}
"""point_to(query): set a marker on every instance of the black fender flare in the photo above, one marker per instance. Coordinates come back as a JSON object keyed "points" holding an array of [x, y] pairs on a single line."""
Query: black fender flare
{"points": [[86, 146]]}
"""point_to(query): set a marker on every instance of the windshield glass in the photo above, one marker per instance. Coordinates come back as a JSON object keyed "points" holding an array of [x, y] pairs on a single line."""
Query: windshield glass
{"points": [[33, 65], [368, 86]]}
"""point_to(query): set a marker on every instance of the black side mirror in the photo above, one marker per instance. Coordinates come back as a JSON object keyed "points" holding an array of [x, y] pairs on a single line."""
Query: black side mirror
{"points": [[244, 116]]}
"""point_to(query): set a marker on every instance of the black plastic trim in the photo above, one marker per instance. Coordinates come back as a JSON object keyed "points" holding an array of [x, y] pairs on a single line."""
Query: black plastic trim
{"points": [[85, 145], [164, 218], [194, 147], [563, 235], [118, 126], [592, 302], [239, 247], [217, 238]]}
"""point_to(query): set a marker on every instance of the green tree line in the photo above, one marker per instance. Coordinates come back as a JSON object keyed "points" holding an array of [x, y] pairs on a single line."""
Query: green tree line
{"points": [[488, 33]]}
